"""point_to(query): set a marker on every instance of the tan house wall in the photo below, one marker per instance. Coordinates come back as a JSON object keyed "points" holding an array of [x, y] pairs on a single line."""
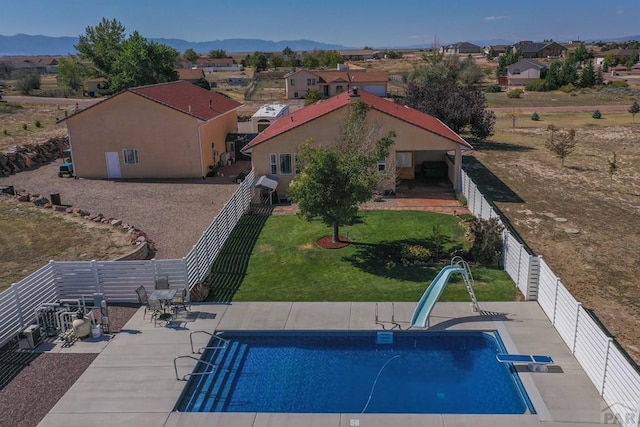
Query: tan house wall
{"points": [[167, 141], [424, 145], [300, 84], [216, 131]]}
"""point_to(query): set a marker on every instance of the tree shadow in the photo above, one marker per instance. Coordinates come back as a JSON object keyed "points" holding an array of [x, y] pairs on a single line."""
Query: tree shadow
{"points": [[230, 266], [492, 187], [384, 259], [500, 146]]}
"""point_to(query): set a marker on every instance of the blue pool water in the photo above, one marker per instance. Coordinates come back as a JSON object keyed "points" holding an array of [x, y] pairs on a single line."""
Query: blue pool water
{"points": [[350, 372]]}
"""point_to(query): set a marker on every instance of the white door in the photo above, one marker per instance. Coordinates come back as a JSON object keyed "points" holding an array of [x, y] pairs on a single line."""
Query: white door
{"points": [[113, 165]]}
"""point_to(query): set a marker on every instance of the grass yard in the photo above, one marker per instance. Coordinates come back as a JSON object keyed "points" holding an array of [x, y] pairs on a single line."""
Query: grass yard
{"points": [[277, 259]]}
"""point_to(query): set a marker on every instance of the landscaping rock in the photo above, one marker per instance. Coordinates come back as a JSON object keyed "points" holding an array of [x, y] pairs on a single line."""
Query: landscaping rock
{"points": [[116, 222], [40, 201]]}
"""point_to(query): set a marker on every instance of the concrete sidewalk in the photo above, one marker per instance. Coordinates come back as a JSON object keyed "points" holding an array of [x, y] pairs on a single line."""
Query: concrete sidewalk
{"points": [[133, 382]]}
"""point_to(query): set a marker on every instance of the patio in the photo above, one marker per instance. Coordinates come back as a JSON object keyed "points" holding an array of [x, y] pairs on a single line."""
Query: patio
{"points": [[132, 381]]}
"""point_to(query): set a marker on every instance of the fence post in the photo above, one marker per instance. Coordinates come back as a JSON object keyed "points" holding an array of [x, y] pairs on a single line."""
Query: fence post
{"points": [[575, 329], [16, 297], [555, 301], [606, 365], [533, 279], [154, 266], [96, 276], [185, 271]]}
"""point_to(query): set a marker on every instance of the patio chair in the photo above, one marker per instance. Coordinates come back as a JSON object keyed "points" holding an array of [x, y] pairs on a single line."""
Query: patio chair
{"points": [[157, 311], [162, 282], [143, 298], [180, 300]]}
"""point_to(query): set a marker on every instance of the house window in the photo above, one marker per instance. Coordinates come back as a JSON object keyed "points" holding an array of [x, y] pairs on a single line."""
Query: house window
{"points": [[382, 165], [516, 71], [292, 82], [311, 82], [274, 164], [295, 94], [403, 160], [339, 89], [286, 164], [130, 156]]}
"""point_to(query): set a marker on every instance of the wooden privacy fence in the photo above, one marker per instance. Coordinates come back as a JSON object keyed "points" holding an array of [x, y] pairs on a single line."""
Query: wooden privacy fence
{"points": [[118, 279], [605, 363]]}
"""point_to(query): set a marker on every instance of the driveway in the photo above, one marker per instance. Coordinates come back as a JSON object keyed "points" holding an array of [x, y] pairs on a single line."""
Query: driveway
{"points": [[172, 213]]}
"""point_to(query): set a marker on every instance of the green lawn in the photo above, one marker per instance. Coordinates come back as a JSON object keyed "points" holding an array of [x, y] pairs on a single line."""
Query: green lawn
{"points": [[275, 258]]}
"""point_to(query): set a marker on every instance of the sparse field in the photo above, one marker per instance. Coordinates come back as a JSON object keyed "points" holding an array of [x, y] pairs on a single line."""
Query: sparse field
{"points": [[599, 265], [30, 237], [13, 117], [529, 100]]}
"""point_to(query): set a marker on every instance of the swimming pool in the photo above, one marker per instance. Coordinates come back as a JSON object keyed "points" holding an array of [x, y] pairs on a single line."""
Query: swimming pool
{"points": [[354, 372]]}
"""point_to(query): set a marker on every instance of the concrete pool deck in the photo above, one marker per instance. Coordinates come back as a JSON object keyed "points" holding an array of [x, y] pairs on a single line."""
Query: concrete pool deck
{"points": [[132, 381]]}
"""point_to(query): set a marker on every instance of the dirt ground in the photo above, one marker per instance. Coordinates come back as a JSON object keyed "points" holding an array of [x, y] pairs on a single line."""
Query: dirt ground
{"points": [[582, 220]]}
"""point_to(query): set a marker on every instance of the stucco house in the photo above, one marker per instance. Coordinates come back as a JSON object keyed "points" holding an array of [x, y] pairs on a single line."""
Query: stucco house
{"points": [[531, 49], [333, 82], [524, 71], [461, 48], [168, 130], [420, 140], [191, 75]]}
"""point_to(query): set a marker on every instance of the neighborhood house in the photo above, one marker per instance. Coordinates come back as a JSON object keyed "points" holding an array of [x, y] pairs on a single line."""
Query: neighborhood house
{"points": [[423, 144], [332, 82], [168, 130]]}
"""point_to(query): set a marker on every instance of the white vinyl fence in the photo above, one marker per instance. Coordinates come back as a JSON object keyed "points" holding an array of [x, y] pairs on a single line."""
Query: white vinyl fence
{"points": [[608, 367], [118, 279]]}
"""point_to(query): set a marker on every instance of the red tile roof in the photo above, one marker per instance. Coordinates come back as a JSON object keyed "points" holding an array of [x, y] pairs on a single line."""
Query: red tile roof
{"points": [[314, 111], [188, 98]]}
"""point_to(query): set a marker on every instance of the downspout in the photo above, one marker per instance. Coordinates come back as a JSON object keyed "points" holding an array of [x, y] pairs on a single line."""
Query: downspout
{"points": [[200, 149]]}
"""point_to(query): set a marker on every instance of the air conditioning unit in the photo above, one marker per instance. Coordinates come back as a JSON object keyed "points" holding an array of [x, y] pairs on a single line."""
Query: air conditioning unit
{"points": [[29, 337]]}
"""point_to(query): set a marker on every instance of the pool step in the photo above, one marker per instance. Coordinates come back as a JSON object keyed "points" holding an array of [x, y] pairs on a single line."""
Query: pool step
{"points": [[226, 381], [205, 386], [198, 382]]}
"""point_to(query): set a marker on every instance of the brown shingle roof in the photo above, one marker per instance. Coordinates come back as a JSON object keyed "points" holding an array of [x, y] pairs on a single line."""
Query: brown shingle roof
{"points": [[190, 73], [188, 98]]}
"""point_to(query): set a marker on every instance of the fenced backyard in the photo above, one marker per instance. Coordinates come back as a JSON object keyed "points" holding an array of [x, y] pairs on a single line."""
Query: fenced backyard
{"points": [[614, 375]]}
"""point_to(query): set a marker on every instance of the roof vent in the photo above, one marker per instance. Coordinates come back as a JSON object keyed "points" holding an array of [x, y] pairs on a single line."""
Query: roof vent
{"points": [[189, 108], [354, 92]]}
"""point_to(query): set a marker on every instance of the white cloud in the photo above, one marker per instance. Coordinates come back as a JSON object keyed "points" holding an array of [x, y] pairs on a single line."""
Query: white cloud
{"points": [[495, 18]]}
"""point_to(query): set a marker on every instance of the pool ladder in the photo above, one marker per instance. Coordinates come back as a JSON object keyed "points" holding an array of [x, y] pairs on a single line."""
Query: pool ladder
{"points": [[468, 281], [198, 360]]}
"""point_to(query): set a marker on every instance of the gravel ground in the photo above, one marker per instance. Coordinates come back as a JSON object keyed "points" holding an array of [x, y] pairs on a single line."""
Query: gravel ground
{"points": [[173, 214], [37, 388]]}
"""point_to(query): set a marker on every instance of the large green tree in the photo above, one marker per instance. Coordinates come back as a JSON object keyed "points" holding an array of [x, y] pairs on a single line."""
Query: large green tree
{"points": [[217, 53], [190, 55], [333, 180], [26, 80], [258, 60], [127, 62], [71, 72], [101, 45]]}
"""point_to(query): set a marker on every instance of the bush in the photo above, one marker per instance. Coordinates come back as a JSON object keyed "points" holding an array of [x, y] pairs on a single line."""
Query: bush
{"points": [[618, 83], [515, 93], [24, 126], [462, 199], [539, 85], [6, 132], [466, 217], [494, 89], [487, 242], [570, 88], [597, 114], [535, 117], [415, 255], [38, 124]]}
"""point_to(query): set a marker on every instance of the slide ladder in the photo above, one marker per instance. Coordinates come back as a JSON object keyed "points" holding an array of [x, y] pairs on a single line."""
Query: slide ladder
{"points": [[468, 281]]}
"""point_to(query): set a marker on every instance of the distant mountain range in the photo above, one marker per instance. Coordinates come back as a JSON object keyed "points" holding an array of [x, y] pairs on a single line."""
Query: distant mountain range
{"points": [[24, 44]]}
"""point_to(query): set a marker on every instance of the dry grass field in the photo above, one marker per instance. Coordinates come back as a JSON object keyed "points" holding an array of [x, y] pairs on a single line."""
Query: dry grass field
{"points": [[14, 117], [599, 264], [30, 237]]}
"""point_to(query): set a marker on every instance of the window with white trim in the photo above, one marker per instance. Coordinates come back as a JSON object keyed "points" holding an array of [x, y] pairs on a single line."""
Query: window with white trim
{"points": [[286, 164], [130, 156], [382, 165], [403, 159], [292, 82], [311, 82], [273, 163]]}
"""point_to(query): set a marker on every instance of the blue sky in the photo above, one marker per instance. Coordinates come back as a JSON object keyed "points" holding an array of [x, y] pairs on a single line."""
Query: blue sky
{"points": [[353, 23]]}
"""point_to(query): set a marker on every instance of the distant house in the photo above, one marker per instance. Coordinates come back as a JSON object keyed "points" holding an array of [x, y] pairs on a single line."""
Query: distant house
{"points": [[168, 130], [97, 86], [461, 48], [240, 80], [622, 55], [212, 65], [421, 140], [266, 115], [191, 75], [360, 54], [524, 71], [498, 49], [333, 82], [531, 49]]}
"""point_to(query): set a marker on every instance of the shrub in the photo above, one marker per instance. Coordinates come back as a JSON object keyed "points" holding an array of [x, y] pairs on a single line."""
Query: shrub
{"points": [[462, 199], [515, 93], [618, 83], [415, 255], [24, 126], [539, 85], [597, 114], [6, 132], [466, 217], [494, 88], [38, 124], [535, 117], [569, 88], [487, 242]]}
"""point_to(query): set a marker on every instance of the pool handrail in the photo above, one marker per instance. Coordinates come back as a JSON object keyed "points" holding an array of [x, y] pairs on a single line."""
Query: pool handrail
{"points": [[184, 377], [213, 334]]}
